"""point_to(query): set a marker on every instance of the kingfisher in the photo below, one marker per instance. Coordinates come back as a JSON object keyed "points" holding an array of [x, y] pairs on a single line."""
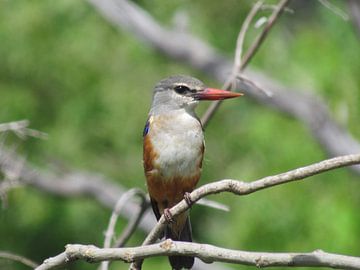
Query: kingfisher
{"points": [[173, 150]]}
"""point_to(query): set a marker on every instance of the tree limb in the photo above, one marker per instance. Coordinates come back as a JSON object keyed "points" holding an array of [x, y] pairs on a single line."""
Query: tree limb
{"points": [[206, 253], [243, 188]]}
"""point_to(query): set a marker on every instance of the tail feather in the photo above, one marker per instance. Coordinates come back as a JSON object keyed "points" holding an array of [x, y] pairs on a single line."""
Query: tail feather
{"points": [[180, 262]]}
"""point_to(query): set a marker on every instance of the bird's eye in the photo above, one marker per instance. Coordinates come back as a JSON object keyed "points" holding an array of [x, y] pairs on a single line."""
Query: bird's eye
{"points": [[181, 89]]}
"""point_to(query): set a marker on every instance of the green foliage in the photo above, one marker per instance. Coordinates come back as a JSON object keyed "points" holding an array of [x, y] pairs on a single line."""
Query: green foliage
{"points": [[88, 85]]}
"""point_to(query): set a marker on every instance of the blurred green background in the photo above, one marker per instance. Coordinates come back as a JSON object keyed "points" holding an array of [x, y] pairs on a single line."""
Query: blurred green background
{"points": [[88, 85]]}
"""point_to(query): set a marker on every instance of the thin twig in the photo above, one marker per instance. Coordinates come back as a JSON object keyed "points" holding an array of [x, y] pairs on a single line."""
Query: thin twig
{"points": [[240, 45], [110, 232], [11, 172], [15, 125], [20, 128], [17, 258], [336, 10], [213, 204], [205, 252], [133, 223], [243, 79], [249, 55]]}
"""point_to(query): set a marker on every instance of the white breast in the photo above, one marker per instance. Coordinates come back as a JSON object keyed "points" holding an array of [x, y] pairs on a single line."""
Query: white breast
{"points": [[177, 139]]}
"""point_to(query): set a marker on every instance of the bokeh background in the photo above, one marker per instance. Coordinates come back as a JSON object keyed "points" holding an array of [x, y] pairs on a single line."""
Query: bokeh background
{"points": [[88, 85]]}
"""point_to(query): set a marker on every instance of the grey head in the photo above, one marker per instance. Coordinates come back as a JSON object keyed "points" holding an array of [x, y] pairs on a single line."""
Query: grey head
{"points": [[175, 93], [183, 93]]}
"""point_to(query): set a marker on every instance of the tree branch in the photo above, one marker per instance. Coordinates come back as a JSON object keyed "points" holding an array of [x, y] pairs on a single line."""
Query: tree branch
{"points": [[243, 188], [354, 9], [110, 232], [241, 64], [17, 258], [206, 253], [20, 128], [72, 184]]}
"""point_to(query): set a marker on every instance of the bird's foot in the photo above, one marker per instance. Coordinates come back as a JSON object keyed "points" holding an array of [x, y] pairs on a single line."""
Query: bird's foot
{"points": [[168, 216], [188, 199]]}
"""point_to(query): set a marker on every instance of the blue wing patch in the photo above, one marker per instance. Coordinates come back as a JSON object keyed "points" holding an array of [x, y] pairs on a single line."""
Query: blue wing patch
{"points": [[146, 128]]}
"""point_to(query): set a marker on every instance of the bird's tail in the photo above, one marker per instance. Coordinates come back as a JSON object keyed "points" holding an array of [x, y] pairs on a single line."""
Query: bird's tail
{"points": [[180, 262]]}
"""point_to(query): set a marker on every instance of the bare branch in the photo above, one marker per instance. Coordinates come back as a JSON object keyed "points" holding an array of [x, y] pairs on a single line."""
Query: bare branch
{"points": [[260, 39], [110, 232], [244, 188], [206, 253], [20, 128], [240, 44], [336, 10], [17, 258], [213, 204], [134, 222], [248, 56], [354, 9], [55, 262], [301, 104], [245, 80]]}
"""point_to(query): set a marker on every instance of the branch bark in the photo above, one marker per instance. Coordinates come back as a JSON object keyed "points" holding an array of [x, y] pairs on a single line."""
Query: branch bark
{"points": [[206, 253]]}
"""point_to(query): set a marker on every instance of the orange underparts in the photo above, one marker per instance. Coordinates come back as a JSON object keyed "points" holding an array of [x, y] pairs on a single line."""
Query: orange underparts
{"points": [[166, 192]]}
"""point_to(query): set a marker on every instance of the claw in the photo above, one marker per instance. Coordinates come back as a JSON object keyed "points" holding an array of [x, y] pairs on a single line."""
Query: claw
{"points": [[188, 199], [168, 216]]}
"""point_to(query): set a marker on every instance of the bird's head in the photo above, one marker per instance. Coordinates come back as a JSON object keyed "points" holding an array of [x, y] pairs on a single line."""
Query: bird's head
{"points": [[177, 92]]}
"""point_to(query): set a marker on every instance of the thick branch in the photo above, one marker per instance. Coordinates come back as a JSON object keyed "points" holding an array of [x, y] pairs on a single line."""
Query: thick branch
{"points": [[301, 104], [206, 253]]}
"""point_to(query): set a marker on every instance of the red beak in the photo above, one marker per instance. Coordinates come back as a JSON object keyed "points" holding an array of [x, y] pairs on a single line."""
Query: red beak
{"points": [[216, 94]]}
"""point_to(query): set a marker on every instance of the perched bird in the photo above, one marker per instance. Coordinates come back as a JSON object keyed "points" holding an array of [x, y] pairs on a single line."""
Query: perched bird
{"points": [[173, 151]]}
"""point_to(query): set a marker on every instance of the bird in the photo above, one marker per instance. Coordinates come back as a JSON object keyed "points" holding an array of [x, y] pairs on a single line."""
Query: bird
{"points": [[173, 150]]}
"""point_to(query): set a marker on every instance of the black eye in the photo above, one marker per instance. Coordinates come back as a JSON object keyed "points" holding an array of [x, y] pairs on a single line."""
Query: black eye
{"points": [[181, 89]]}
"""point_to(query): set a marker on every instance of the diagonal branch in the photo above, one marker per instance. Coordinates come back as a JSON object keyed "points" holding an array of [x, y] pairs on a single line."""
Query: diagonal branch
{"points": [[248, 56], [243, 188], [110, 232], [207, 253], [17, 258]]}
